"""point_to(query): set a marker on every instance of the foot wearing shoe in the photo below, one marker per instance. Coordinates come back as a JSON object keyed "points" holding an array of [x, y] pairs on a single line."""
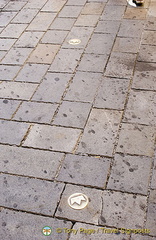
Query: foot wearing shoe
{"points": [[138, 2]]}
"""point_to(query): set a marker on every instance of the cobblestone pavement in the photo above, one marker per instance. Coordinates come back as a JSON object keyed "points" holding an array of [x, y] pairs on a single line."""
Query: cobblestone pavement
{"points": [[77, 119]]}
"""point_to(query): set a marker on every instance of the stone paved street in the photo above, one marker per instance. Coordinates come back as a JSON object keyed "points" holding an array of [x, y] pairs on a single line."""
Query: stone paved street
{"points": [[77, 118]]}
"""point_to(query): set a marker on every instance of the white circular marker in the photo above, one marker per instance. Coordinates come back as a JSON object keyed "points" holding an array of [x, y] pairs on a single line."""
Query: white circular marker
{"points": [[78, 201], [74, 41]]}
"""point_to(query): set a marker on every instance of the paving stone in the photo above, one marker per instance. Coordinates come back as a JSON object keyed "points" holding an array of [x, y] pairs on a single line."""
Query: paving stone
{"points": [[107, 26], [85, 170], [6, 17], [44, 53], [135, 13], [72, 114], [17, 56], [130, 174], [87, 20], [120, 65], [3, 3], [72, 2], [82, 33], [93, 63], [149, 37], [27, 194], [152, 196], [32, 72], [14, 6], [6, 44], [150, 23], [100, 132], [140, 237], [141, 108], [144, 76], [7, 108], [42, 21], [2, 54], [16, 223], [112, 93], [100, 233], [113, 13], [114, 2], [83, 87], [35, 4], [30, 162], [100, 43], [53, 6], [151, 218], [131, 28], [93, 8], [25, 16], [70, 11], [90, 214], [52, 138], [17, 90], [147, 53], [129, 45], [29, 39], [62, 24], [123, 210], [136, 139], [12, 132], [151, 10], [52, 87], [8, 72], [66, 60], [54, 36], [153, 182], [13, 30]]}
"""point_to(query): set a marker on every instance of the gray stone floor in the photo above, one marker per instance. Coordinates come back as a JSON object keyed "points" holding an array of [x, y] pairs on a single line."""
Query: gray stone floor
{"points": [[77, 119]]}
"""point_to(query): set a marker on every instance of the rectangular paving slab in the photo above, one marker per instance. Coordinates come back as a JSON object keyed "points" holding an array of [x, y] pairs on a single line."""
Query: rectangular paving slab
{"points": [[53, 5], [25, 15], [113, 13], [8, 107], [147, 53], [62, 24], [100, 132], [131, 28], [107, 26], [29, 39], [93, 8], [13, 30], [8, 72]]}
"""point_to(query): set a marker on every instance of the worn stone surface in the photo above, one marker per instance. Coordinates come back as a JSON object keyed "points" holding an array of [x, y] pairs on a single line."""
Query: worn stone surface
{"points": [[151, 218], [35, 4], [11, 6], [29, 39], [100, 132], [131, 28], [6, 44], [128, 45], [107, 26], [140, 237], [62, 24], [135, 13], [7, 108], [150, 23], [93, 8], [13, 30], [54, 37], [111, 13], [147, 54], [6, 17], [53, 5], [149, 38], [87, 20], [153, 182], [8, 72], [70, 11], [25, 16]]}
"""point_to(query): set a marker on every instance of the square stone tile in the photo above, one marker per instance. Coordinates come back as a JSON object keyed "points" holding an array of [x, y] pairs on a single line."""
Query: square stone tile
{"points": [[72, 2], [147, 53], [3, 3], [32, 73], [25, 15], [7, 108], [6, 44], [44, 53], [52, 87], [119, 2], [30, 162], [17, 56], [135, 13], [87, 20], [151, 218], [131, 28], [93, 63], [17, 90], [53, 6], [100, 132], [29, 39], [85, 170], [93, 8], [107, 27], [123, 210], [144, 76], [136, 139], [112, 93], [72, 114], [113, 13], [53, 138], [14, 6], [150, 23], [6, 17], [15, 223], [2, 54], [130, 174], [100, 43], [62, 24], [13, 30], [127, 45], [27, 194], [120, 65], [8, 72], [90, 214], [84, 87], [82, 33], [42, 21], [35, 112], [70, 11], [66, 60], [12, 132], [54, 37], [141, 108], [35, 4], [149, 38]]}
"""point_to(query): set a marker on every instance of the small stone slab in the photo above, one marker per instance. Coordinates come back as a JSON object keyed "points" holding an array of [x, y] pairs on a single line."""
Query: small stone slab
{"points": [[6, 17], [6, 44], [107, 26], [136, 139], [54, 37], [151, 218], [100, 132], [85, 170], [53, 6], [87, 20], [13, 30], [149, 38], [53, 138], [127, 45], [8, 72], [29, 39], [7, 108], [70, 11], [89, 214], [30, 162], [130, 174], [150, 24], [93, 8], [29, 194], [113, 13], [135, 13], [25, 15], [62, 24], [131, 28], [147, 53]]}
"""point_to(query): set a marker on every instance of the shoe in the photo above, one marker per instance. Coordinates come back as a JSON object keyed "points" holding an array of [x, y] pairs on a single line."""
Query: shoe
{"points": [[138, 2]]}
